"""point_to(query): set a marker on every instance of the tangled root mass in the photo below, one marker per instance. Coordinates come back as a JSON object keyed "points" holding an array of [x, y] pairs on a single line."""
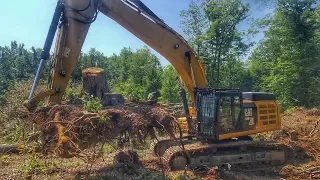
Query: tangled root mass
{"points": [[69, 129]]}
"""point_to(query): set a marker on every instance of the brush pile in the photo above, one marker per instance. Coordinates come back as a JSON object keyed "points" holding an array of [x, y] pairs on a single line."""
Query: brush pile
{"points": [[174, 109], [67, 130], [302, 128], [300, 131]]}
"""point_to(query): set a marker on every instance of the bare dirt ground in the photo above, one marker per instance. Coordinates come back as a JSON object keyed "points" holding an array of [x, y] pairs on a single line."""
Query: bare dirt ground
{"points": [[300, 132]]}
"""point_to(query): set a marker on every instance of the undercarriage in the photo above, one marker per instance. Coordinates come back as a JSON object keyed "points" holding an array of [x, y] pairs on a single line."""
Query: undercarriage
{"points": [[190, 154]]}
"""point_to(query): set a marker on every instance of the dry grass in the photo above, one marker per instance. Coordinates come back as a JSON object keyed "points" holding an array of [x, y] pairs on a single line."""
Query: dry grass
{"points": [[14, 124]]}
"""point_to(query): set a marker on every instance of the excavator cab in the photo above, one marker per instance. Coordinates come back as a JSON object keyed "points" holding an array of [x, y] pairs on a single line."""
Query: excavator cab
{"points": [[219, 111], [230, 113]]}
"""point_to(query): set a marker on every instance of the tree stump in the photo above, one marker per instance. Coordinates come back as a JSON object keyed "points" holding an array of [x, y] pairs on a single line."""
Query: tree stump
{"points": [[94, 82]]}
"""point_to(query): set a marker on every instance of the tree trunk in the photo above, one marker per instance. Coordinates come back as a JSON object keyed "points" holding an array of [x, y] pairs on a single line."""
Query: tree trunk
{"points": [[94, 82]]}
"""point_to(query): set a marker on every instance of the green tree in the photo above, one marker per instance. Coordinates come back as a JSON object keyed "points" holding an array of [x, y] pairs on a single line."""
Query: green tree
{"points": [[223, 38], [286, 62], [235, 74], [210, 27], [17, 63], [170, 85], [194, 25], [123, 64], [143, 75]]}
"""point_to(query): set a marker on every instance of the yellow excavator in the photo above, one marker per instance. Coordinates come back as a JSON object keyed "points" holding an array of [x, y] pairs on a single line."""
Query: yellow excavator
{"points": [[218, 123]]}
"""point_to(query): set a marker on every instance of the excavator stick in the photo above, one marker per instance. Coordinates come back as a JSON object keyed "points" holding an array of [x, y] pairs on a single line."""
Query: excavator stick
{"points": [[45, 54], [72, 19]]}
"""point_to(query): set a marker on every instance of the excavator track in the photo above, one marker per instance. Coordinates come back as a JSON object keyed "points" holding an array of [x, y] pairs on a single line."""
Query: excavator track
{"points": [[162, 144], [196, 154]]}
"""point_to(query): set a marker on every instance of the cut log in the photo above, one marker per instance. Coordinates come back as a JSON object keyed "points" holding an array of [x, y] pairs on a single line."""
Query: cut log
{"points": [[18, 147], [94, 82], [10, 148]]}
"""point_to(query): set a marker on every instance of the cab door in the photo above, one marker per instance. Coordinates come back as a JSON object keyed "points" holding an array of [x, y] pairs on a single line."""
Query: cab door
{"points": [[206, 115], [229, 113]]}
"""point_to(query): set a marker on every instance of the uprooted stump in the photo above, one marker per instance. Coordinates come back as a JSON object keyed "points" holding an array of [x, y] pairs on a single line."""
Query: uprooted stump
{"points": [[67, 130]]}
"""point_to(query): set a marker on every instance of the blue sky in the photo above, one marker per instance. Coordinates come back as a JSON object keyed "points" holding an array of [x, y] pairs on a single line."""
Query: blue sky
{"points": [[28, 22]]}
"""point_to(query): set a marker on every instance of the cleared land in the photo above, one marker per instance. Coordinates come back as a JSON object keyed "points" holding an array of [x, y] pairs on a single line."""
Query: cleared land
{"points": [[300, 132]]}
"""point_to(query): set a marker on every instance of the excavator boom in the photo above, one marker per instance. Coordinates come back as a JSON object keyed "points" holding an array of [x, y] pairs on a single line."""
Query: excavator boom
{"points": [[75, 20]]}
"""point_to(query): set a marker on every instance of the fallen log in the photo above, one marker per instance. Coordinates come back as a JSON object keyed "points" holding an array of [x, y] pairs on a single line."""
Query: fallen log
{"points": [[18, 147], [11, 148]]}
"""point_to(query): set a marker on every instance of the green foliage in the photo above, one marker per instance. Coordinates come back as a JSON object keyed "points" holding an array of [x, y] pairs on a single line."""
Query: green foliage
{"points": [[17, 63], [103, 119], [17, 68], [14, 134], [133, 74], [93, 105], [4, 160], [131, 91], [225, 42], [234, 74], [74, 94], [194, 25], [109, 148], [170, 85], [290, 110], [211, 28], [182, 177], [286, 62], [34, 165], [140, 76]]}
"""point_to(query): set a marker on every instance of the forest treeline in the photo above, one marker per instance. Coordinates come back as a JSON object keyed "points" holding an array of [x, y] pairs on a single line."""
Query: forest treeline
{"points": [[285, 62]]}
